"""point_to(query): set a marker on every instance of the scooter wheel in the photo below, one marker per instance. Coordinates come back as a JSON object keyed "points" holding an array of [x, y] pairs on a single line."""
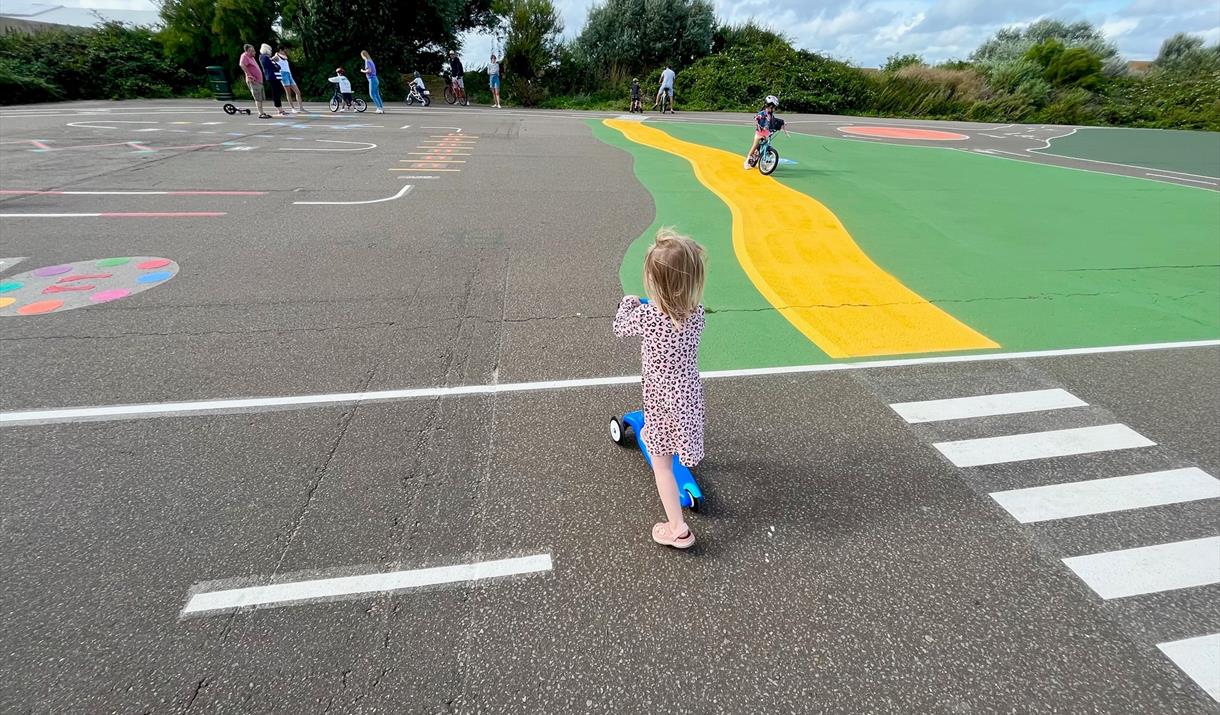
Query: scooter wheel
{"points": [[230, 109], [618, 431], [696, 503]]}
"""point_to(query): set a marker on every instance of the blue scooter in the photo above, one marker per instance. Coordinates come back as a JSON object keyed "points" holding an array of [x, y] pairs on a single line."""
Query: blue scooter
{"points": [[688, 490]]}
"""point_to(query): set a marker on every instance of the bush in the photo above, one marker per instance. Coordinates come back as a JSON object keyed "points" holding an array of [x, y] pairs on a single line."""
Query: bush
{"points": [[920, 91], [16, 87], [1164, 100], [740, 78], [112, 61]]}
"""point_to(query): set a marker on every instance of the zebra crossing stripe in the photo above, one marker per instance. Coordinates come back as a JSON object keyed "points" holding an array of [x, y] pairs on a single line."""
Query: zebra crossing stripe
{"points": [[986, 405], [1150, 569], [1199, 658], [1099, 496], [1041, 445]]}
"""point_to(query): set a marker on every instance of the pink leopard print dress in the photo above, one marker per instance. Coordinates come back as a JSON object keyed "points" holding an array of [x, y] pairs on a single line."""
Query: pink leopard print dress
{"points": [[669, 366]]}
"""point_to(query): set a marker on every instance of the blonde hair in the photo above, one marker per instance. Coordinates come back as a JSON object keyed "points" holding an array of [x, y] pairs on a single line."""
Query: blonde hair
{"points": [[365, 54], [673, 274], [265, 49]]}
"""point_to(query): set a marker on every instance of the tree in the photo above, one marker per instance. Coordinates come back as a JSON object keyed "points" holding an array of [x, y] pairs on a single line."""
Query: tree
{"points": [[749, 35], [1011, 43], [1074, 67], [238, 22], [895, 62], [644, 34], [531, 45], [1185, 53], [186, 32], [407, 37]]}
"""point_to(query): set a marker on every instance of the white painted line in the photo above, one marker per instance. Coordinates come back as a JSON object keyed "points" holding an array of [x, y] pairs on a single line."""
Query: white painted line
{"points": [[1150, 569], [399, 195], [1012, 153], [298, 592], [1100, 496], [366, 146], [254, 404], [94, 125], [456, 129], [1041, 445], [1181, 178], [405, 126], [419, 177], [1043, 151], [1199, 658], [1008, 403]]}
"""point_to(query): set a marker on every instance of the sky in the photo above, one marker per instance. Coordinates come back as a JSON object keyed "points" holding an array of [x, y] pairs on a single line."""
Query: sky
{"points": [[865, 32]]}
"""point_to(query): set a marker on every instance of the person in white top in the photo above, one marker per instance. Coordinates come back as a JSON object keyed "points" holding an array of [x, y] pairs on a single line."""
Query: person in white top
{"points": [[345, 88], [667, 87], [290, 84]]}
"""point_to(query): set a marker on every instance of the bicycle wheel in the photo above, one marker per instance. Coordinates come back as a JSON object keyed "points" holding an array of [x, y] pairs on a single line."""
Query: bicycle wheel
{"points": [[450, 97], [768, 161], [359, 104], [465, 99], [334, 104]]}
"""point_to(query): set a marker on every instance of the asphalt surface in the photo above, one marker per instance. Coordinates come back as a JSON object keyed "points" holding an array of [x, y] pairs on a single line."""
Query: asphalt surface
{"points": [[843, 565]]}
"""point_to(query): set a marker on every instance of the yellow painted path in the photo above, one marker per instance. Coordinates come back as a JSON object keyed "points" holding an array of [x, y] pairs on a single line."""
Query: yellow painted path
{"points": [[802, 259]]}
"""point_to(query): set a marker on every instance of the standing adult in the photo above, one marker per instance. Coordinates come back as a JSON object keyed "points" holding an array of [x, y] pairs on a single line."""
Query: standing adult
{"points": [[370, 71], [457, 74], [270, 80], [288, 81], [667, 87], [493, 77], [254, 78]]}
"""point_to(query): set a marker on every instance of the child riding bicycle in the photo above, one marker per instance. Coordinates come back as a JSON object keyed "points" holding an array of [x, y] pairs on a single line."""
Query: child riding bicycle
{"points": [[765, 122], [344, 88]]}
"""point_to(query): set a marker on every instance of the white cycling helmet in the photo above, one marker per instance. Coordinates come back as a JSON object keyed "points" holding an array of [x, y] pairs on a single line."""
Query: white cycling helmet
{"points": [[773, 100]]}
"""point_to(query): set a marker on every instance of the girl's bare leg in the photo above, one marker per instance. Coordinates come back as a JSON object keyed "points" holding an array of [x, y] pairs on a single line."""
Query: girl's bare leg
{"points": [[667, 489]]}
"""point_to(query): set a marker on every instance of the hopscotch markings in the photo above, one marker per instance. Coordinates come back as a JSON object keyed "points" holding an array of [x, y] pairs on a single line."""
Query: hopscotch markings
{"points": [[1041, 445], [434, 161], [1150, 569], [986, 405], [1199, 658], [439, 152], [400, 194], [329, 589], [1100, 496], [254, 404], [427, 167]]}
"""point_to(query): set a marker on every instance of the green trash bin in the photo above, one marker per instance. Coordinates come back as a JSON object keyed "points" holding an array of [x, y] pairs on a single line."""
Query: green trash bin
{"points": [[220, 84]]}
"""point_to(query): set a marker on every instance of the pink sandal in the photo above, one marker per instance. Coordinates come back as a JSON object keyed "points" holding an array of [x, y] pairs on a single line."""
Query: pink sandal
{"points": [[661, 534]]}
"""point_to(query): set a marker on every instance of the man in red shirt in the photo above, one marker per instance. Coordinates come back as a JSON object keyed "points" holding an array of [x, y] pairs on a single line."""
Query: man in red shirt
{"points": [[254, 78]]}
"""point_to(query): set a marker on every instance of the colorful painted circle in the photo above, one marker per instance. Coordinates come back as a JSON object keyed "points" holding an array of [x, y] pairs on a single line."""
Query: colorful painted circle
{"points": [[40, 307], [888, 132], [81, 284], [52, 270], [155, 277], [105, 296]]}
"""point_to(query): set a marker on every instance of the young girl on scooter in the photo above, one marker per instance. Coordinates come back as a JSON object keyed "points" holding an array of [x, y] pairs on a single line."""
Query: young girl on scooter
{"points": [[671, 324]]}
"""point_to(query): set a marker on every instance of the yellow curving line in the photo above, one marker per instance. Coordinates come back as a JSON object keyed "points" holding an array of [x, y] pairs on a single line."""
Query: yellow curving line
{"points": [[802, 259]]}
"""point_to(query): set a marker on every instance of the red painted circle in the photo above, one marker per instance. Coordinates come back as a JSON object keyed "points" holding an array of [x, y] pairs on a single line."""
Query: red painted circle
{"points": [[42, 306], [154, 263], [904, 133]]}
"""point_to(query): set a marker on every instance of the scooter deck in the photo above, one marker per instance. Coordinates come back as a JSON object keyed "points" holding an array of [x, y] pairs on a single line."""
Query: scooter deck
{"points": [[687, 486]]}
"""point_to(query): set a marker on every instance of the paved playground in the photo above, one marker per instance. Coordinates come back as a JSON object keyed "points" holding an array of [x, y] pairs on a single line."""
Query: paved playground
{"points": [[311, 414]]}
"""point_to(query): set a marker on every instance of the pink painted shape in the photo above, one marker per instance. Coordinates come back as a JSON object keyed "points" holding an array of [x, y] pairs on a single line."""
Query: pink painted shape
{"points": [[103, 296], [904, 133], [67, 289], [52, 270], [82, 277], [154, 263]]}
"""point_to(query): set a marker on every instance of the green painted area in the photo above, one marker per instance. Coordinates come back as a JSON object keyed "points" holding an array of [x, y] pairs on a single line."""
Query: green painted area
{"points": [[1168, 149], [1034, 257], [742, 328]]}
